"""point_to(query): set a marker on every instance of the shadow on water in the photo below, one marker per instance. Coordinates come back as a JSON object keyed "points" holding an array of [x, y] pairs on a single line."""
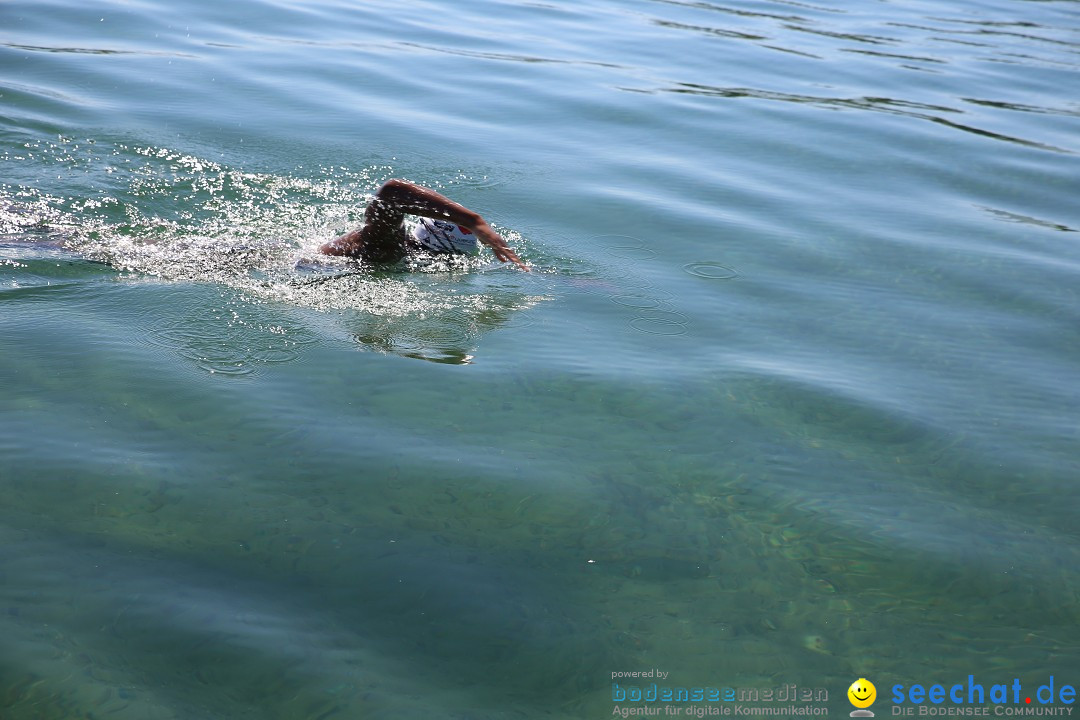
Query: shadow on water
{"points": [[432, 309]]}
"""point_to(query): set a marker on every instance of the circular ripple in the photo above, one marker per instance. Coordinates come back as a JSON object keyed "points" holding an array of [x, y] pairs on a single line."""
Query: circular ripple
{"points": [[626, 247], [630, 252], [482, 182], [578, 272], [230, 348], [668, 316], [216, 366], [438, 334], [517, 321], [641, 302], [652, 291], [711, 270], [658, 326]]}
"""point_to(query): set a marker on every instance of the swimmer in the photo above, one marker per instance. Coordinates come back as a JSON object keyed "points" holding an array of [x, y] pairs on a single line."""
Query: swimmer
{"points": [[445, 227]]}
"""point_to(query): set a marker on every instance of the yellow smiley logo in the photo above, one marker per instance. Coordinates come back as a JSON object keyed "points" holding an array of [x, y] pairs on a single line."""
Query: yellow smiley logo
{"points": [[862, 693]]}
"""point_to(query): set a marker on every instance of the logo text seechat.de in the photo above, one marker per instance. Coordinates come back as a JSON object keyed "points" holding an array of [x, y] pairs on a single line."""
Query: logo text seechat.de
{"points": [[972, 693]]}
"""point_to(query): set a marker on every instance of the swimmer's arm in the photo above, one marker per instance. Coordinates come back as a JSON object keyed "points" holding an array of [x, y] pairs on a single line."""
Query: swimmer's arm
{"points": [[416, 200], [349, 244], [494, 241]]}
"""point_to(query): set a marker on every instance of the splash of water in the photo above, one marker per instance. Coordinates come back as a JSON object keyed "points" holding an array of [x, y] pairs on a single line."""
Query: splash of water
{"points": [[159, 213]]}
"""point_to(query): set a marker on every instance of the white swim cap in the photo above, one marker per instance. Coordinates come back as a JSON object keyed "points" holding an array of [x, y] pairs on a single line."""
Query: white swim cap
{"points": [[444, 237]]}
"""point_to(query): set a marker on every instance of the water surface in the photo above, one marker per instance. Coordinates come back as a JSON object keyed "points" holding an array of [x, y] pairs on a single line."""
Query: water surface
{"points": [[790, 395]]}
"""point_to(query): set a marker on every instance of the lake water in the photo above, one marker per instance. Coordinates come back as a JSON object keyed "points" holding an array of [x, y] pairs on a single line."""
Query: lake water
{"points": [[790, 397]]}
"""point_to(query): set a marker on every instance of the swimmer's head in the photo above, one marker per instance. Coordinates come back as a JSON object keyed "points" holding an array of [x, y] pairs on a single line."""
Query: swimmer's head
{"points": [[445, 237]]}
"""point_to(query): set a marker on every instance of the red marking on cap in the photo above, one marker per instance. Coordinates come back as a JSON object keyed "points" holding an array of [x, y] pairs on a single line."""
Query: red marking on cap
{"points": [[464, 231]]}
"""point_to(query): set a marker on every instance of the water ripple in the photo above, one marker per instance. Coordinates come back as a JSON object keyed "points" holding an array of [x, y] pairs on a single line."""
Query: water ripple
{"points": [[531, 59], [95, 51], [711, 270], [892, 106]]}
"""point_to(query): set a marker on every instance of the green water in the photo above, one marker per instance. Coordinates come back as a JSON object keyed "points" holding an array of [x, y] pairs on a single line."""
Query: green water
{"points": [[789, 397]]}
